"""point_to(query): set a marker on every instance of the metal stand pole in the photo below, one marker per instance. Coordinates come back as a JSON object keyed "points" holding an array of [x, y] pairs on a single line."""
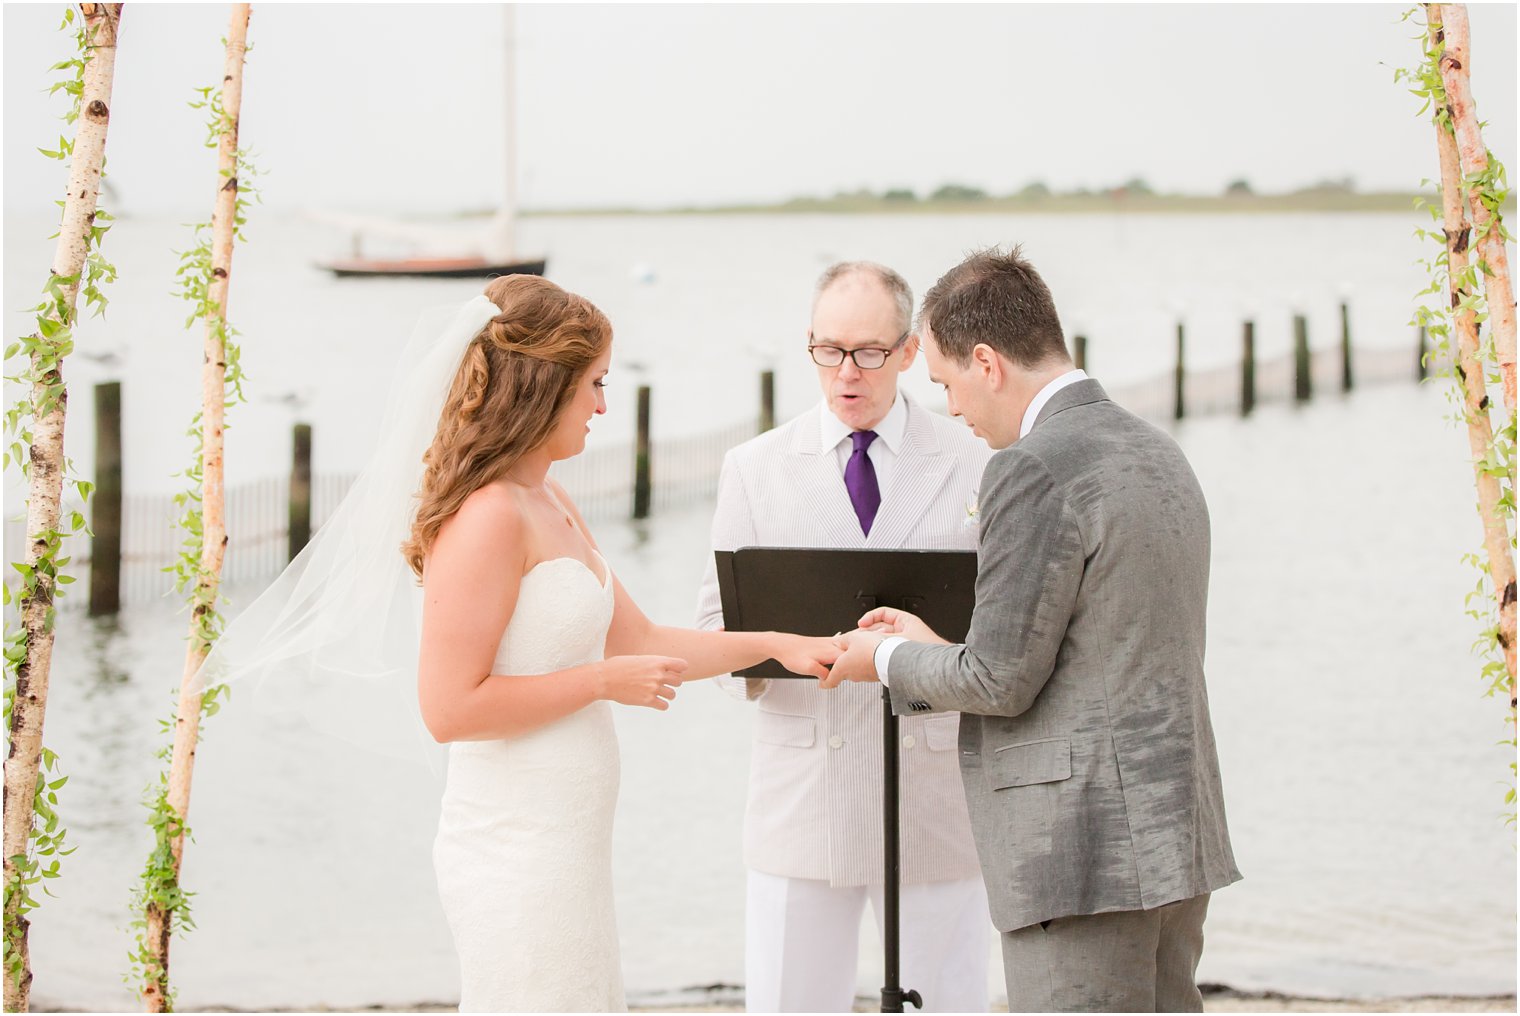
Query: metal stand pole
{"points": [[893, 995]]}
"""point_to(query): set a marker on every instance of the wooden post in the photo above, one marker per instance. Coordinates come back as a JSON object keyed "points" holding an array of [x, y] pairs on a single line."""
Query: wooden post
{"points": [[1248, 370], [1179, 407], [1080, 351], [641, 471], [767, 400], [1346, 378], [1421, 372], [1303, 385], [299, 530], [105, 503]]}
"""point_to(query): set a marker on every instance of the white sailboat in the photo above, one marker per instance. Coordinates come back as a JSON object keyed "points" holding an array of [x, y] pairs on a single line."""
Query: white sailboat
{"points": [[488, 251]]}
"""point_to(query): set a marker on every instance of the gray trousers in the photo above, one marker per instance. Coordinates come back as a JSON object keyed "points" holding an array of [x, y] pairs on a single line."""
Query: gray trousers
{"points": [[1127, 961]]}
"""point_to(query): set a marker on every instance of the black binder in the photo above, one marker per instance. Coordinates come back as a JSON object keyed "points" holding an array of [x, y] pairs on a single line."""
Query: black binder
{"points": [[821, 592]]}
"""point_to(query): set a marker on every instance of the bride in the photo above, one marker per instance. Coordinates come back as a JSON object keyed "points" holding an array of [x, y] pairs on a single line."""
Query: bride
{"points": [[526, 638]]}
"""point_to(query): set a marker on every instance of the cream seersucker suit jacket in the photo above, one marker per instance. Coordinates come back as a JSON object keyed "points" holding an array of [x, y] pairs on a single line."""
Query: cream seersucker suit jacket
{"points": [[814, 808]]}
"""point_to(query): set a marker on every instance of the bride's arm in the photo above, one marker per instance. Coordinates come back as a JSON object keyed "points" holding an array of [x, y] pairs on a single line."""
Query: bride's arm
{"points": [[707, 653], [473, 573]]}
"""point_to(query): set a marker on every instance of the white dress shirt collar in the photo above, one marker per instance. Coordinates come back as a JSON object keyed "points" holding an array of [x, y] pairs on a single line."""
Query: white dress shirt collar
{"points": [[1071, 377], [889, 431]]}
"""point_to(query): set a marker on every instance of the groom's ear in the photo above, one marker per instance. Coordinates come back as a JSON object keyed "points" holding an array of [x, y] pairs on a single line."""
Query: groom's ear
{"points": [[988, 366]]}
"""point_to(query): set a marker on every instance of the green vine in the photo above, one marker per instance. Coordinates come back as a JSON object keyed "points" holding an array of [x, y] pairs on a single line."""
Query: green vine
{"points": [[42, 392], [160, 888], [1438, 315]]}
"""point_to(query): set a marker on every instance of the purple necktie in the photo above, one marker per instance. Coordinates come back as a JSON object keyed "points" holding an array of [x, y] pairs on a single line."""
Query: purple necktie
{"points": [[860, 480]]}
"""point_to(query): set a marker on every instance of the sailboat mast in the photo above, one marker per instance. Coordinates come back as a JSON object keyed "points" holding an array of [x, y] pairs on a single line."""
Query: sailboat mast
{"points": [[507, 215]]}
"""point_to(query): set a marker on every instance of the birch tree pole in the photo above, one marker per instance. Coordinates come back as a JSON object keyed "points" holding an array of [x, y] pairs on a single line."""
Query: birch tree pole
{"points": [[1482, 178], [1472, 278], [31, 653], [163, 900], [1469, 178]]}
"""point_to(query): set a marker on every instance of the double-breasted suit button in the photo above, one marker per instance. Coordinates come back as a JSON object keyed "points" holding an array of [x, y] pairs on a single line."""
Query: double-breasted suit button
{"points": [[835, 741]]}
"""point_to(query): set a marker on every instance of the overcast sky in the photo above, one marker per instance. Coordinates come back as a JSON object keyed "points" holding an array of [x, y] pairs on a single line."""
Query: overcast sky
{"points": [[390, 108]]}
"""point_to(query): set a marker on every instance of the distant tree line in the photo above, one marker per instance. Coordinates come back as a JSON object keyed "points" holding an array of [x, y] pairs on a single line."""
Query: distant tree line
{"points": [[1038, 190]]}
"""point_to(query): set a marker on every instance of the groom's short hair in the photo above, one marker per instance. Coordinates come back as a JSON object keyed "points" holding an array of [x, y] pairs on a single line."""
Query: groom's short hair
{"points": [[998, 299]]}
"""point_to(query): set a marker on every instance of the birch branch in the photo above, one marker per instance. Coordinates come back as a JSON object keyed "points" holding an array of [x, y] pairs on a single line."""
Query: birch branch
{"points": [[1470, 370], [160, 919], [1487, 226], [45, 481]]}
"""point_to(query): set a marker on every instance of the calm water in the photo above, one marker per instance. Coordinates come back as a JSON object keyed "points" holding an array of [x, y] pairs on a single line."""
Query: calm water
{"points": [[1362, 775], [701, 305]]}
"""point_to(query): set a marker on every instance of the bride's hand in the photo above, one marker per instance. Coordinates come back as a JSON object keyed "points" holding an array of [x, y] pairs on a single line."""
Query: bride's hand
{"points": [[803, 655], [641, 680]]}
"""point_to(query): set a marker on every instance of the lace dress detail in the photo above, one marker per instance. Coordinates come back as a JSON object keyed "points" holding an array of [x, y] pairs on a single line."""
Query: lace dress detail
{"points": [[524, 847]]}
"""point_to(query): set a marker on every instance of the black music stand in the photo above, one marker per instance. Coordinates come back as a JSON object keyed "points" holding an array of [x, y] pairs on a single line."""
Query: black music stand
{"points": [[821, 592]]}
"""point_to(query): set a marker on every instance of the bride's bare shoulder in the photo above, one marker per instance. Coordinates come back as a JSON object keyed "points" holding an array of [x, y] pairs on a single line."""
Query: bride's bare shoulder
{"points": [[490, 518]]}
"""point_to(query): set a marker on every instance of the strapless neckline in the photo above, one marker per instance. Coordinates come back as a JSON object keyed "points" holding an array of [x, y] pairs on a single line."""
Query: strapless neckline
{"points": [[602, 582]]}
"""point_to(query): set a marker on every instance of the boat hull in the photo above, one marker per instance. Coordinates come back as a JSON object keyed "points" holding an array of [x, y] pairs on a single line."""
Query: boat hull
{"points": [[434, 268]]}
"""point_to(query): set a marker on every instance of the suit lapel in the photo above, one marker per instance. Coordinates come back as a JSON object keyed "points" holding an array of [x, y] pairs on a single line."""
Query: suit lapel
{"points": [[823, 488], [921, 471]]}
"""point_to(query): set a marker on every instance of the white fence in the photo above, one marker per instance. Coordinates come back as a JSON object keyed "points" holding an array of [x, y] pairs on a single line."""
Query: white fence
{"points": [[684, 470]]}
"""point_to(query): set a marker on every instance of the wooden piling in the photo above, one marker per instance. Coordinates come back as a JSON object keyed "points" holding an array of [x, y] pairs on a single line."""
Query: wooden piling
{"points": [[1179, 407], [105, 503], [1346, 375], [1080, 351], [641, 466], [1248, 369], [1303, 385], [300, 491], [767, 400]]}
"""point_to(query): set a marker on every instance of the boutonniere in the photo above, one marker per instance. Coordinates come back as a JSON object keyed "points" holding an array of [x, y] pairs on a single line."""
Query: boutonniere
{"points": [[973, 512]]}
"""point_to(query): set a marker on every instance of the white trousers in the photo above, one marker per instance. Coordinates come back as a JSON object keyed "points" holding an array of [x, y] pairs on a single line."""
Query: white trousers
{"points": [[802, 938]]}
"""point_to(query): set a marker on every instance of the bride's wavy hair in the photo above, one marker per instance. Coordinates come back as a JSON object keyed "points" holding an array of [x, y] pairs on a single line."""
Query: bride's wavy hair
{"points": [[515, 378]]}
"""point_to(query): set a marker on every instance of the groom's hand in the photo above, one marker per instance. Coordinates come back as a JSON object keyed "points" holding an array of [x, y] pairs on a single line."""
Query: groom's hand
{"points": [[857, 661], [900, 622]]}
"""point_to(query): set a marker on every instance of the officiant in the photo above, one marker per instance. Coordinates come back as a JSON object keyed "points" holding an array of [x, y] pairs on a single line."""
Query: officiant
{"points": [[867, 467]]}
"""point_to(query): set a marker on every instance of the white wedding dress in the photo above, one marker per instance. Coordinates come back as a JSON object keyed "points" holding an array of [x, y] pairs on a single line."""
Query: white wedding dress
{"points": [[524, 847]]}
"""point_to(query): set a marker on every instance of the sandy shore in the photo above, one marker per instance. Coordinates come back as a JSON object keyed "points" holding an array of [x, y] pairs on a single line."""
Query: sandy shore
{"points": [[1215, 1000]]}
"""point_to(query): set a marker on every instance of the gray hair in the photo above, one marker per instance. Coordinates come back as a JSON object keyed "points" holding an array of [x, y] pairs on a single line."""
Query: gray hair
{"points": [[895, 285]]}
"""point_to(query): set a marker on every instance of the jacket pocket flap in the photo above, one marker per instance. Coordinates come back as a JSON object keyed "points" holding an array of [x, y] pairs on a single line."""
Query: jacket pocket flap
{"points": [[785, 729], [943, 732], [1020, 765]]}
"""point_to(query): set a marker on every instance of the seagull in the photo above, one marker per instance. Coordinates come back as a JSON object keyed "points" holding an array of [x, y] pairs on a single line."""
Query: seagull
{"points": [[298, 399]]}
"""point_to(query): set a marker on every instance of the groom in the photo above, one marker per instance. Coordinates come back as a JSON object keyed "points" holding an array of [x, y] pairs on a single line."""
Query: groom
{"points": [[1086, 749]]}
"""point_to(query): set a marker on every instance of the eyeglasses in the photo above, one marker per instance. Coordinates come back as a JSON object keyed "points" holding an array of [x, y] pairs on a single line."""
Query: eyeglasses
{"points": [[866, 358]]}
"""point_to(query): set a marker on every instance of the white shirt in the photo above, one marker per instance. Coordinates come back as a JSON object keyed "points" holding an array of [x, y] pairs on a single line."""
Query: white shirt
{"points": [[883, 654], [1071, 377], [882, 452]]}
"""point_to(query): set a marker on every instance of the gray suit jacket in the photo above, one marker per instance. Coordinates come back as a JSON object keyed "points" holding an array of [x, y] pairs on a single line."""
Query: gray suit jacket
{"points": [[1086, 749]]}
